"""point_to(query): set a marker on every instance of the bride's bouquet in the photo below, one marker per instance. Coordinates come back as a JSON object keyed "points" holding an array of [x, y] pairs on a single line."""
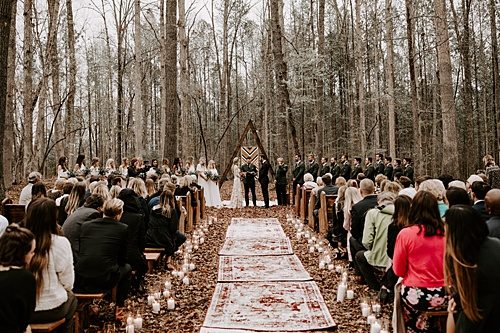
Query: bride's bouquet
{"points": [[212, 176]]}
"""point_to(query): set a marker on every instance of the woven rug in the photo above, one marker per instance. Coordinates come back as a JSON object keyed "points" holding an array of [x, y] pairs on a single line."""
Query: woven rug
{"points": [[255, 228], [261, 268], [224, 330], [256, 247], [273, 307]]}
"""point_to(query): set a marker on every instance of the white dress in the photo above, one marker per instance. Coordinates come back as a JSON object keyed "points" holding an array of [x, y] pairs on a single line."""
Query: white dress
{"points": [[213, 191], [236, 195], [201, 169]]}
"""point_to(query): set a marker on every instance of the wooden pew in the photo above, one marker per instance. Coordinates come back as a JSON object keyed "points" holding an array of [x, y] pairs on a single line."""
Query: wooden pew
{"points": [[297, 200], [326, 212], [82, 310], [13, 212], [151, 258], [196, 210], [186, 203], [202, 204], [304, 204], [310, 210], [47, 327], [182, 217]]}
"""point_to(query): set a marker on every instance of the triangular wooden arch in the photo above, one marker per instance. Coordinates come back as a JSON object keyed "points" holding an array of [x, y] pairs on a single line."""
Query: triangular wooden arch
{"points": [[250, 127]]}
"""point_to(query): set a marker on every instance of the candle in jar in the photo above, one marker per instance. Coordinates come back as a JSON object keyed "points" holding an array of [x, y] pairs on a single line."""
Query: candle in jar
{"points": [[330, 267], [129, 329], [180, 275], [322, 264], [311, 249], [171, 304], [375, 327], [166, 293], [365, 310], [138, 322], [320, 249], [341, 290], [338, 269], [344, 276], [328, 259], [350, 294], [174, 273], [157, 295], [309, 241], [168, 284], [376, 308], [202, 240], [185, 280], [151, 299], [299, 234], [371, 319], [156, 307], [192, 267]]}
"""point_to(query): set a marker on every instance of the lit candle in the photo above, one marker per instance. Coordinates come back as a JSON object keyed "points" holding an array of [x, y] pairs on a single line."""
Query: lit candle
{"points": [[341, 290], [168, 284], [195, 247], [129, 328], [174, 273], [156, 307], [185, 280], [376, 308], [313, 239], [180, 275], [299, 234], [371, 319], [338, 269], [375, 327], [202, 240], [330, 267], [166, 293], [185, 268], [171, 304], [151, 299], [322, 264], [328, 259], [365, 310], [311, 249], [157, 295], [130, 320], [192, 267], [320, 249], [344, 276], [309, 241], [350, 294], [138, 322]]}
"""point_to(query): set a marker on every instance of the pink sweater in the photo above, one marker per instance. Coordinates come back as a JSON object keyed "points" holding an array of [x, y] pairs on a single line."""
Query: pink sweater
{"points": [[419, 260]]}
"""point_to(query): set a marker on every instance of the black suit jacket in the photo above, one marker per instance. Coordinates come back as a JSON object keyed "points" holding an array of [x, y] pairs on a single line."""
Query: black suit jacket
{"points": [[73, 225], [356, 171], [379, 167], [325, 168], [398, 169], [358, 213], [281, 171], [335, 171], [408, 172], [370, 172], [298, 173], [312, 168], [251, 172], [481, 208], [103, 249], [263, 172], [345, 171], [389, 171]]}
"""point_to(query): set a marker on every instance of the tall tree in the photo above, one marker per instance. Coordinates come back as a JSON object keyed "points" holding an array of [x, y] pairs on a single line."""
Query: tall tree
{"points": [[138, 111], [496, 75], [28, 87], [448, 110], [360, 81], [70, 101], [8, 138], [319, 80], [389, 27], [5, 26]]}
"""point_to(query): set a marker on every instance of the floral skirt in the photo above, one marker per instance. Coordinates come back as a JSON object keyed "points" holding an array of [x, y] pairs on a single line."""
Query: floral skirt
{"points": [[417, 303]]}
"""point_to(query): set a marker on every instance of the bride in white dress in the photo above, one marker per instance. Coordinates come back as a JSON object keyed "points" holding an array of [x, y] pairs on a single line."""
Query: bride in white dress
{"points": [[236, 195], [213, 187], [201, 172]]}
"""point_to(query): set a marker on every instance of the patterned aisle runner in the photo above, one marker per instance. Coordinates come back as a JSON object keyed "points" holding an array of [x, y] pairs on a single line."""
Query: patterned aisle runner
{"points": [[263, 286]]}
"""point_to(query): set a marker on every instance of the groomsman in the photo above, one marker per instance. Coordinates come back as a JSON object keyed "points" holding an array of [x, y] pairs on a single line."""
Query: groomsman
{"points": [[379, 164], [264, 180], [408, 171], [356, 168], [281, 182], [298, 175], [398, 168], [345, 169], [250, 171], [370, 170], [389, 170], [334, 169], [324, 168], [312, 166]]}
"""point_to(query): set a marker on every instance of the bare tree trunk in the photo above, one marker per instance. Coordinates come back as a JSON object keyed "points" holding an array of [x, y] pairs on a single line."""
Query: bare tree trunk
{"points": [[281, 73], [360, 79], [28, 87], [163, 77], [171, 142], [70, 101], [138, 111], [10, 107], [496, 75], [319, 81], [448, 111], [5, 26], [184, 80], [390, 77]]}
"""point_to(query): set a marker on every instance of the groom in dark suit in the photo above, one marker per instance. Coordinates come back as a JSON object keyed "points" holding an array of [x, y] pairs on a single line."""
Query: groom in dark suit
{"points": [[250, 171], [264, 180]]}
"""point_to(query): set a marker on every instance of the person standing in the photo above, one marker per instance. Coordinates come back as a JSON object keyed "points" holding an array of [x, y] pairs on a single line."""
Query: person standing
{"points": [[312, 166], [345, 170], [281, 182], [264, 179], [389, 170], [356, 168], [236, 197], [334, 169], [379, 164], [212, 183], [324, 168], [249, 171], [408, 168], [370, 170], [298, 175]]}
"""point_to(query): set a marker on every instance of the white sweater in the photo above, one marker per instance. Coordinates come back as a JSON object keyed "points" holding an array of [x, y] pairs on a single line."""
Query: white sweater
{"points": [[58, 277]]}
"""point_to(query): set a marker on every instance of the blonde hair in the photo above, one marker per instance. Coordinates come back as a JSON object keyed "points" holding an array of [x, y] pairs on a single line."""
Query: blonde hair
{"points": [[340, 181], [351, 197], [352, 183], [114, 191], [112, 208], [184, 181], [379, 179], [150, 186], [434, 186], [110, 163], [59, 183], [308, 177], [138, 186], [393, 187], [235, 160], [211, 164], [102, 190], [167, 203]]}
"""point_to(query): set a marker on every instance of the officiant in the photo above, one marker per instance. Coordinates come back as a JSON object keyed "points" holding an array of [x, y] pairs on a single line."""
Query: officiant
{"points": [[249, 171], [264, 179]]}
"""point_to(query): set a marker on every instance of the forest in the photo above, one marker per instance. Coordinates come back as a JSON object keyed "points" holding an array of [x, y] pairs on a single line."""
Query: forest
{"points": [[167, 78]]}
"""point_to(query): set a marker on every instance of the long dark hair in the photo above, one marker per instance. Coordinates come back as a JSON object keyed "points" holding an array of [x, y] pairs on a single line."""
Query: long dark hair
{"points": [[424, 212], [62, 162], [41, 220], [15, 244], [167, 203], [465, 232], [402, 206], [80, 159]]}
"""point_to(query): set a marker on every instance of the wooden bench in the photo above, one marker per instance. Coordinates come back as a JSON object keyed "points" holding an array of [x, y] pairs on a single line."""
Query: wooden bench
{"points": [[186, 203], [182, 217], [47, 327], [304, 204], [84, 300], [326, 212], [310, 210], [196, 210], [151, 258], [202, 203], [297, 200], [14, 213]]}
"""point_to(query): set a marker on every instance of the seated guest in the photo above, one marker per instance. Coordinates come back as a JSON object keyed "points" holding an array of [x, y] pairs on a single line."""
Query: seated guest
{"points": [[349, 196], [457, 183], [457, 196], [68, 205], [378, 181], [328, 189], [38, 190], [25, 196], [492, 200], [114, 191], [4, 223], [17, 285], [52, 266], [358, 212], [184, 189], [472, 268], [102, 190], [436, 187], [66, 190], [418, 259], [57, 191], [309, 182], [134, 219], [102, 262], [319, 182], [163, 229], [375, 240], [91, 210], [479, 190], [139, 187], [419, 180], [393, 187], [154, 199]]}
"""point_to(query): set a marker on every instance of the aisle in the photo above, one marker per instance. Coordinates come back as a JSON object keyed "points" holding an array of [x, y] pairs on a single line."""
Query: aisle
{"points": [[262, 285]]}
